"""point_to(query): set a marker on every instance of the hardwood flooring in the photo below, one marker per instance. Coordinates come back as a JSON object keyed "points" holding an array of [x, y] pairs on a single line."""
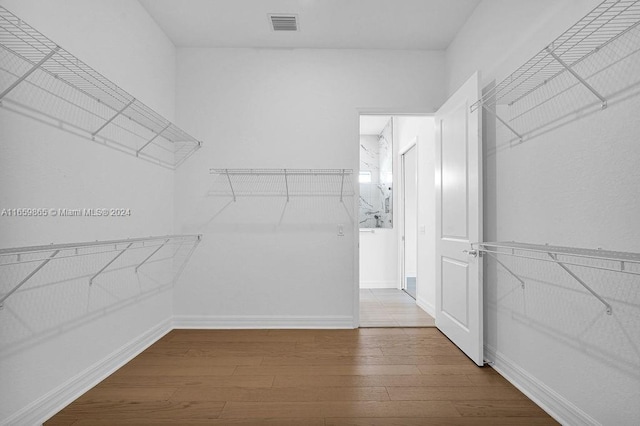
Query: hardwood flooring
{"points": [[389, 307], [370, 376]]}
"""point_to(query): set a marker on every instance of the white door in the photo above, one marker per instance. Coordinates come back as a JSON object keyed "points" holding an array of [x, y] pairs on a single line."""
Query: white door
{"points": [[459, 220]]}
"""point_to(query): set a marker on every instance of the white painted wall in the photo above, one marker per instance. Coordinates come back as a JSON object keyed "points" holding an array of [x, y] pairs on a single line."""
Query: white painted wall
{"points": [[410, 128], [576, 186], [52, 331], [379, 258], [281, 108]]}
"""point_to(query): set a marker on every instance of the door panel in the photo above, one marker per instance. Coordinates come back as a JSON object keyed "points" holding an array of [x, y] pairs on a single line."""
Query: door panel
{"points": [[455, 295], [459, 221], [454, 177]]}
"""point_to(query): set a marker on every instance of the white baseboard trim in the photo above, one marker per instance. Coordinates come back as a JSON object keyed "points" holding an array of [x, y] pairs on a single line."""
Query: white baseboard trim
{"points": [[426, 306], [378, 284], [261, 321], [549, 400], [49, 404]]}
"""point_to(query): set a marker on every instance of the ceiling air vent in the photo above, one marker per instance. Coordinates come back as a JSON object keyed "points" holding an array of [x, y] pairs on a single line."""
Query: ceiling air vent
{"points": [[281, 22]]}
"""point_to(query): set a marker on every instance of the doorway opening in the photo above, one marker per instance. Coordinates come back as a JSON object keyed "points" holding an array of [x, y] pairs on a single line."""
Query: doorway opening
{"points": [[409, 196], [396, 236]]}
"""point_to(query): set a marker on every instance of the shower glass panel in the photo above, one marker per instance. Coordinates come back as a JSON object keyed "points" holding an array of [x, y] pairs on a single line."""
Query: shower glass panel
{"points": [[376, 179]]}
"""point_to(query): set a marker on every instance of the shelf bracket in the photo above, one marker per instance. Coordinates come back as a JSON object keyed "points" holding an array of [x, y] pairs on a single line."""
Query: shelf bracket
{"points": [[151, 255], [286, 184], [27, 278], [154, 138], [230, 185], [114, 117], [603, 100], [596, 295], [520, 137], [110, 262], [342, 186], [505, 267], [28, 73]]}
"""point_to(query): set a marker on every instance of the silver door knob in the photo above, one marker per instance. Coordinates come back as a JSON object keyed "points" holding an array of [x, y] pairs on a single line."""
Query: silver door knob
{"points": [[473, 253]]}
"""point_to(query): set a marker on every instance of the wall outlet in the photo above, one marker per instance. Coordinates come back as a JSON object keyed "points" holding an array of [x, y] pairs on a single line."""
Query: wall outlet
{"points": [[423, 229]]}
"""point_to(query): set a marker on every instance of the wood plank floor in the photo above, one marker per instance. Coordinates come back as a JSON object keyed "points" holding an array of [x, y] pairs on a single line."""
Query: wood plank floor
{"points": [[390, 307], [370, 376]]}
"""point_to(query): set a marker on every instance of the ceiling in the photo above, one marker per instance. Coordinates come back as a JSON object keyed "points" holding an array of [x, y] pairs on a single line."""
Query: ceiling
{"points": [[325, 24], [373, 124]]}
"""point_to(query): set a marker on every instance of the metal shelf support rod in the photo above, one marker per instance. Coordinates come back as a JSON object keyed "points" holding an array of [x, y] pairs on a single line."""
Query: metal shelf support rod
{"points": [[230, 184], [27, 278], [586, 254], [286, 184], [186, 259], [342, 186], [503, 122], [506, 268], [151, 255], [107, 265], [596, 295], [28, 73], [114, 117], [603, 100], [154, 138], [512, 253]]}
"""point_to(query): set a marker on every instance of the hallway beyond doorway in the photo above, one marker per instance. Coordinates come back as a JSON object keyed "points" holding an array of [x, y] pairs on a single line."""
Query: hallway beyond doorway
{"points": [[389, 307]]}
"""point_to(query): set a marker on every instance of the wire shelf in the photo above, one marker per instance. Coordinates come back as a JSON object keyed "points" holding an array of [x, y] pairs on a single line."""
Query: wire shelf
{"points": [[35, 258], [283, 182], [606, 23], [603, 260], [41, 79], [581, 253]]}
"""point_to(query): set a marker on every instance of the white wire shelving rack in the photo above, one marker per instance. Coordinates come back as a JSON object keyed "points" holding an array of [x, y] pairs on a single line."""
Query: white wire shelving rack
{"points": [[283, 183], [40, 79], [609, 21], [39, 256], [566, 258]]}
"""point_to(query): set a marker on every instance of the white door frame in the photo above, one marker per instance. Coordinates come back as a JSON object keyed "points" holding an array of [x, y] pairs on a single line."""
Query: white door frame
{"points": [[356, 199]]}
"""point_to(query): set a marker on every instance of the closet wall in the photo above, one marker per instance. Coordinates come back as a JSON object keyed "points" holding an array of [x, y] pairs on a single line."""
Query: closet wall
{"points": [[574, 185], [262, 261], [64, 328]]}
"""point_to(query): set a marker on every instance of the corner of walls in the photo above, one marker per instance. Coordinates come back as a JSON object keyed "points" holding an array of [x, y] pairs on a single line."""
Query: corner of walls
{"points": [[45, 166], [558, 407], [55, 400], [500, 35]]}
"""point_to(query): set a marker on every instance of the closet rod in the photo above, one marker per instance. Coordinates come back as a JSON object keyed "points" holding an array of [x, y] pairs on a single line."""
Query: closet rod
{"points": [[598, 254], [27, 278], [53, 250], [67, 246], [552, 254]]}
